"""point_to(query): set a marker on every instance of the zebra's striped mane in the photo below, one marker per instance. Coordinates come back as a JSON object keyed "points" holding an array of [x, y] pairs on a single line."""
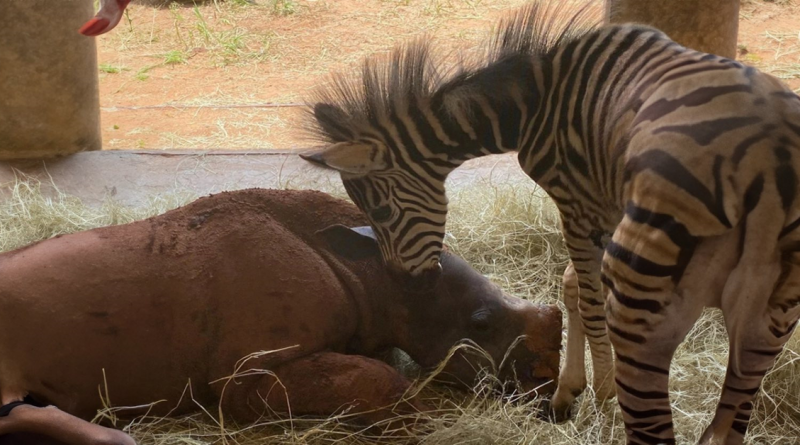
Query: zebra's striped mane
{"points": [[411, 72], [540, 27]]}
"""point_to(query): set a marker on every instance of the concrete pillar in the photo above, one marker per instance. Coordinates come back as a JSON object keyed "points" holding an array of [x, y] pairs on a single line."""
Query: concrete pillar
{"points": [[710, 26], [49, 100]]}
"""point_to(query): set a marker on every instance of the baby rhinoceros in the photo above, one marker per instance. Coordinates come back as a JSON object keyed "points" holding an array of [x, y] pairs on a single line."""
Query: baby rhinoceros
{"points": [[241, 282]]}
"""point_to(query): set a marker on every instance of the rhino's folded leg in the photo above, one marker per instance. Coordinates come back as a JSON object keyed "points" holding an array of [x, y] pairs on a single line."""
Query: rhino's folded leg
{"points": [[368, 391], [22, 424]]}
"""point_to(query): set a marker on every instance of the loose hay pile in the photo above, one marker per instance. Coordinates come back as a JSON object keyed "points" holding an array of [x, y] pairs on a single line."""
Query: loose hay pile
{"points": [[510, 233]]}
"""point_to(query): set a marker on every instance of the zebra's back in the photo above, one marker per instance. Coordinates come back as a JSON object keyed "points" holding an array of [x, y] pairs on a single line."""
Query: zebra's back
{"points": [[707, 133]]}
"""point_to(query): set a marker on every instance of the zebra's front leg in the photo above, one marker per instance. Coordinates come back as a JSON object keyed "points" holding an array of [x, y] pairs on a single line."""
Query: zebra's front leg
{"points": [[586, 258], [593, 316], [572, 378], [585, 299], [764, 334]]}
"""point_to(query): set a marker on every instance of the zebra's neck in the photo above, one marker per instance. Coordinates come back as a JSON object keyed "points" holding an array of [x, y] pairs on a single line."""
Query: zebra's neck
{"points": [[486, 113], [568, 112]]}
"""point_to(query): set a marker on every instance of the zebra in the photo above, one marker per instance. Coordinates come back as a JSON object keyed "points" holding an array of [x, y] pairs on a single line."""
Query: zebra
{"points": [[674, 171]]}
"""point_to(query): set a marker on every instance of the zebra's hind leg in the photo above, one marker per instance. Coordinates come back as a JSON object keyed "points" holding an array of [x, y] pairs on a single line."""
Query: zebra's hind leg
{"points": [[572, 378], [754, 353], [647, 318], [644, 344]]}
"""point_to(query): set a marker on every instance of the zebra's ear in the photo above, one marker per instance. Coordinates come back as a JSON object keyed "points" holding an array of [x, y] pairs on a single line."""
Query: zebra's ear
{"points": [[350, 157]]}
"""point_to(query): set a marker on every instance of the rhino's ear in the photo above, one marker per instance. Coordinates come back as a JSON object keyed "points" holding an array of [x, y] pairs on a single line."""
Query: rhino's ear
{"points": [[355, 158], [353, 244]]}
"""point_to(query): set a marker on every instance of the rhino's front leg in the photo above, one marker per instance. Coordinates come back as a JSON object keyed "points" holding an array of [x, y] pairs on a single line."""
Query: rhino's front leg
{"points": [[572, 377], [366, 390], [30, 425]]}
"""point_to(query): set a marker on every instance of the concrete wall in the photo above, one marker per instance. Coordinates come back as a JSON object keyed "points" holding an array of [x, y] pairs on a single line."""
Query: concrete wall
{"points": [[711, 26], [49, 101], [133, 178]]}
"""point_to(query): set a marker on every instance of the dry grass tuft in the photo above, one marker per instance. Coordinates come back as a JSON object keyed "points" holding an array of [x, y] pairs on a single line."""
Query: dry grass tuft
{"points": [[29, 215], [510, 232]]}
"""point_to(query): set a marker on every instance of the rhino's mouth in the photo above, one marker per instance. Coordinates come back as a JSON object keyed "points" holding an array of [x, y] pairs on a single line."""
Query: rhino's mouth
{"points": [[517, 385], [542, 386], [527, 383], [524, 392]]}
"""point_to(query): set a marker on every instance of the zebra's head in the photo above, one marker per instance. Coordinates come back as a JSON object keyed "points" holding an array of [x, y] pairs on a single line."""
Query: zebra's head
{"points": [[407, 209], [395, 131], [383, 132]]}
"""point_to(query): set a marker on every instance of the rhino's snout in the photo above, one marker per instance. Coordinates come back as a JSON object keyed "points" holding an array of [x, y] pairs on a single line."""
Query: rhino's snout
{"points": [[543, 347]]}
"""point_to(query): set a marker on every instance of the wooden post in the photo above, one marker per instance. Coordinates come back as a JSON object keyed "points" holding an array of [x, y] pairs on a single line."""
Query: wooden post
{"points": [[49, 99], [710, 26]]}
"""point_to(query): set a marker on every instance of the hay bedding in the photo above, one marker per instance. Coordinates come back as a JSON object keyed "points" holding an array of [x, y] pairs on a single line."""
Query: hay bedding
{"points": [[510, 233]]}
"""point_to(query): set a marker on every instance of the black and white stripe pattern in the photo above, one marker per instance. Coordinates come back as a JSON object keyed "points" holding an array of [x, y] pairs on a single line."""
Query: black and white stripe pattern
{"points": [[689, 160], [400, 205]]}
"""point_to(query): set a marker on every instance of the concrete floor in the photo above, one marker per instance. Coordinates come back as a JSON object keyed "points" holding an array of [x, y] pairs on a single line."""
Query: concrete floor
{"points": [[132, 177]]}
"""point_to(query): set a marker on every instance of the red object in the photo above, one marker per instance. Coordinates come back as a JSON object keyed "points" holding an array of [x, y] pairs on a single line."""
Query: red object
{"points": [[107, 18], [94, 27]]}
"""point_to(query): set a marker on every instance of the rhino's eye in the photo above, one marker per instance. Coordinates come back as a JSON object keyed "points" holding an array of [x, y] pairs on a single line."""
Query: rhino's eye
{"points": [[380, 214], [480, 320]]}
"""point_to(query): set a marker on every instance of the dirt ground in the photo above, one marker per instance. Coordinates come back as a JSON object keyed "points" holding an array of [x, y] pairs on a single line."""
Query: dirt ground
{"points": [[229, 74]]}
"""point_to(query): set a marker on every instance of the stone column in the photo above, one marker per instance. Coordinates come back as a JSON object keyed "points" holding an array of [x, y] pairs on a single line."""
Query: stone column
{"points": [[49, 99], [706, 25]]}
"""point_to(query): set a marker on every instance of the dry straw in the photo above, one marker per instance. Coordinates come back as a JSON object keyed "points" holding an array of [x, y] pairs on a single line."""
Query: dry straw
{"points": [[510, 233]]}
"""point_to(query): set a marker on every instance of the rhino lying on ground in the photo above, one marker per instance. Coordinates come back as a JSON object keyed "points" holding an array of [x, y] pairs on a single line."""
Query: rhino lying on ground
{"points": [[145, 307]]}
